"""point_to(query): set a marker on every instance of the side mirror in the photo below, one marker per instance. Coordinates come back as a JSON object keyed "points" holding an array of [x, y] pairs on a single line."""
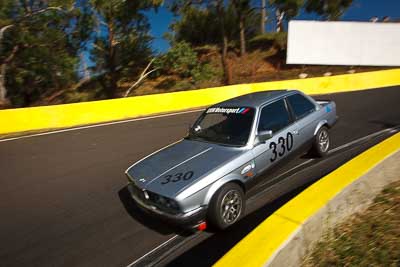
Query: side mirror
{"points": [[192, 130], [264, 135]]}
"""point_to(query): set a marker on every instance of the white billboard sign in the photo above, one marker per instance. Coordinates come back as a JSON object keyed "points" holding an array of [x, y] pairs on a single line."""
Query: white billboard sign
{"points": [[343, 43]]}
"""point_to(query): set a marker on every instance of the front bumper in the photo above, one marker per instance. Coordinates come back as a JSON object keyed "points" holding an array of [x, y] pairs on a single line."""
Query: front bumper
{"points": [[189, 219]]}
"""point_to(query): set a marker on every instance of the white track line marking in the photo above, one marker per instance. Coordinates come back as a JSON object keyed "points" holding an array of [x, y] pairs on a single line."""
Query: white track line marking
{"points": [[154, 249], [295, 167], [390, 130], [100, 125], [339, 148]]}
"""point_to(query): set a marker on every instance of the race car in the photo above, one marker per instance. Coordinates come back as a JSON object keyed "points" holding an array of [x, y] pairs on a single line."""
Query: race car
{"points": [[205, 177]]}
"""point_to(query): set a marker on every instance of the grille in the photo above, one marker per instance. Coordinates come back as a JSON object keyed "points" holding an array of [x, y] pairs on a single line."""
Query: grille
{"points": [[151, 200]]}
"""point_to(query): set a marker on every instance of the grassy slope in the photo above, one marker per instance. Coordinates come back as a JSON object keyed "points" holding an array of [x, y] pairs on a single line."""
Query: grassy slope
{"points": [[259, 65], [371, 238]]}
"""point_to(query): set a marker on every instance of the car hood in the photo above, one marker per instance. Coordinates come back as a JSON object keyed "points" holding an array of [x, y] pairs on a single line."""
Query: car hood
{"points": [[172, 169]]}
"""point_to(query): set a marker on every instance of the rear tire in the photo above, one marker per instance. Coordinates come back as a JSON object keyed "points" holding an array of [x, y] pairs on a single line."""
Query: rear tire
{"points": [[227, 206], [321, 142]]}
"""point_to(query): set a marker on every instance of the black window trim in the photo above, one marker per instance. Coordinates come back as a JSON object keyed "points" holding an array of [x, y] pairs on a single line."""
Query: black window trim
{"points": [[290, 110]]}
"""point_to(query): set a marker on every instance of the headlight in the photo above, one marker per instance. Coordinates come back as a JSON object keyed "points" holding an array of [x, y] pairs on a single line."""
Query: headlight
{"points": [[172, 204], [166, 202]]}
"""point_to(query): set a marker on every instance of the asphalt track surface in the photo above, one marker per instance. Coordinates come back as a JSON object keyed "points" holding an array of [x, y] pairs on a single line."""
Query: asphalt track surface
{"points": [[63, 200]]}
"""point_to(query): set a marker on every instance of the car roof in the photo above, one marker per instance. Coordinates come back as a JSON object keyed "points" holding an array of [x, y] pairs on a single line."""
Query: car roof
{"points": [[254, 100]]}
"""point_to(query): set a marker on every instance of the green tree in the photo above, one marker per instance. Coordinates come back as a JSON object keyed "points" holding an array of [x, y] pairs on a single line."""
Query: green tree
{"points": [[38, 48], [263, 16], [197, 26], [286, 10], [328, 9], [122, 45], [215, 22], [220, 8], [182, 60], [243, 10]]}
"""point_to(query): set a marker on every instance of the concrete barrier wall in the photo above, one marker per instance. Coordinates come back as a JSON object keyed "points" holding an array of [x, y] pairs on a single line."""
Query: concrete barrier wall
{"points": [[286, 236], [71, 115], [343, 43]]}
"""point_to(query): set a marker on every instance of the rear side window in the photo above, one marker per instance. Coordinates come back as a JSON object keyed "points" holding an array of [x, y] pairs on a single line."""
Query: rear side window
{"points": [[274, 117], [301, 106]]}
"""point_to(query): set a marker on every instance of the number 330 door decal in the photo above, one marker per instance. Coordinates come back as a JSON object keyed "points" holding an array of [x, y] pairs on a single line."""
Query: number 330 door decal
{"points": [[283, 146]]}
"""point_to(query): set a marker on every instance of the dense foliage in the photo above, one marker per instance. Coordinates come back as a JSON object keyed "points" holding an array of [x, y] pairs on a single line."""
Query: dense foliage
{"points": [[277, 40], [181, 60], [38, 51], [52, 48], [290, 7], [122, 44], [199, 26], [330, 10]]}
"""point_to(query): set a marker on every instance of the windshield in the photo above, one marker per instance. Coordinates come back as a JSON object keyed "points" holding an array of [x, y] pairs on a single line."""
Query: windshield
{"points": [[228, 126]]}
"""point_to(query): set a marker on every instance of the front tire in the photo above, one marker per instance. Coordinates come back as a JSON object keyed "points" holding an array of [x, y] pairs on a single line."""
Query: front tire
{"points": [[321, 142], [226, 206]]}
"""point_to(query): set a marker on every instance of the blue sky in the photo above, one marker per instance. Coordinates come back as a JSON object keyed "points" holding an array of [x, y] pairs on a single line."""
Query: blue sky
{"points": [[361, 10]]}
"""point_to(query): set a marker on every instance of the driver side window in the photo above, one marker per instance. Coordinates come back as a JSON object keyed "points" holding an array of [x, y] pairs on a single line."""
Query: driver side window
{"points": [[274, 117]]}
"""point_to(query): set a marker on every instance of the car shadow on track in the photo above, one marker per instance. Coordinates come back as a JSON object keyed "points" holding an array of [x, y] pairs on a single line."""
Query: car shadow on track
{"points": [[220, 242], [143, 218]]}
